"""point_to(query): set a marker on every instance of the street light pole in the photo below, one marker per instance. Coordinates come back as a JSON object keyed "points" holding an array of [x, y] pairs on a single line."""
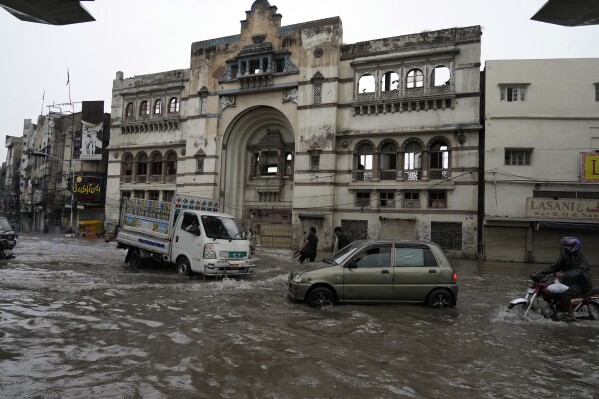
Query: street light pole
{"points": [[71, 174]]}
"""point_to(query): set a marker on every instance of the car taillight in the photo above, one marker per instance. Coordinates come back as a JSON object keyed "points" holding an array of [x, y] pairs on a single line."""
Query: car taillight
{"points": [[454, 277]]}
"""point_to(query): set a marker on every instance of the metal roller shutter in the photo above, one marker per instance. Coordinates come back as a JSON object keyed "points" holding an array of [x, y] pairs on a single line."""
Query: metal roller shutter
{"points": [[507, 244], [393, 229], [590, 246], [546, 245]]}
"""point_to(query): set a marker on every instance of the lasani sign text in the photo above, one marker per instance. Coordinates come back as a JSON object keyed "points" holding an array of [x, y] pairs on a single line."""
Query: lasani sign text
{"points": [[562, 209]]}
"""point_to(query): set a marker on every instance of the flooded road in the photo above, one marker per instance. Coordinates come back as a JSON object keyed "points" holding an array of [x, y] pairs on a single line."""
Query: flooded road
{"points": [[75, 322]]}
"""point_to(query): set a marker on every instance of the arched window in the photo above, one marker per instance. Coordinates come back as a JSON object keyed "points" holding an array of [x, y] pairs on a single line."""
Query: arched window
{"points": [[289, 163], [366, 84], [412, 160], [439, 160], [144, 108], [156, 167], [157, 107], [173, 105], [142, 167], [415, 79], [127, 168], [129, 110], [390, 81], [363, 161], [440, 76], [388, 160], [171, 167]]}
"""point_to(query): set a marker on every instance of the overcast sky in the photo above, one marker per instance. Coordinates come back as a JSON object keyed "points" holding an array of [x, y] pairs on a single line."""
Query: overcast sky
{"points": [[148, 36]]}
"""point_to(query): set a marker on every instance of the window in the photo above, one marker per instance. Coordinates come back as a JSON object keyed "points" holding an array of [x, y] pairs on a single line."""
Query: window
{"points": [[440, 76], [317, 93], [171, 166], [414, 257], [388, 161], [366, 84], [390, 81], [518, 156], [157, 107], [142, 168], [153, 195], [129, 110], [144, 109], [415, 79], [363, 199], [364, 158], [437, 199], [168, 195], [375, 256], [315, 162], [288, 164], [448, 235], [125, 194], [270, 166], [139, 194], [513, 93], [596, 91], [173, 105], [200, 165], [411, 199], [156, 164], [439, 160], [386, 199], [413, 161], [127, 165]]}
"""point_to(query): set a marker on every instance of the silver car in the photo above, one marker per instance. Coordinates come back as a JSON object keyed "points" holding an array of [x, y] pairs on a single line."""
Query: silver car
{"points": [[378, 271]]}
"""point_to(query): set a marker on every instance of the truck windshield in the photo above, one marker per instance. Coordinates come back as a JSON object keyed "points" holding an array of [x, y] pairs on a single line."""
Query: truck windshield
{"points": [[222, 227]]}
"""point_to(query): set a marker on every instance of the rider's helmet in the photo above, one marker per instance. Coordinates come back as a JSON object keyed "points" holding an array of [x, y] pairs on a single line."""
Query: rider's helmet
{"points": [[571, 245]]}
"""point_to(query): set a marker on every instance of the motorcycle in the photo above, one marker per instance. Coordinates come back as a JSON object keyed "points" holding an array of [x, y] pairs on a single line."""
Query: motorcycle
{"points": [[6, 249], [534, 305]]}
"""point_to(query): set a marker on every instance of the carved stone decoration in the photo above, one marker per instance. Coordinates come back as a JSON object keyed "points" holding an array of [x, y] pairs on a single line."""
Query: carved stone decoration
{"points": [[116, 155], [183, 152], [226, 101], [318, 52], [291, 95]]}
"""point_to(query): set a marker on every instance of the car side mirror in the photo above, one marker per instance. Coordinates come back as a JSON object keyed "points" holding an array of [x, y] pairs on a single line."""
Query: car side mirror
{"points": [[351, 265]]}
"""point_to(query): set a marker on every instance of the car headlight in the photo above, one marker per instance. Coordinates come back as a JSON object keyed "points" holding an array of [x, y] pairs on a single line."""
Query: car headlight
{"points": [[297, 278]]}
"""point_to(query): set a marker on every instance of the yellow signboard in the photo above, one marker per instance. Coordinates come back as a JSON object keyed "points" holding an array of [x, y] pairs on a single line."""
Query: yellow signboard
{"points": [[562, 208], [589, 167]]}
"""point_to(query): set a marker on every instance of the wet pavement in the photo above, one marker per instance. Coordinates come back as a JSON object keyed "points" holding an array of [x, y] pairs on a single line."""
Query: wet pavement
{"points": [[76, 322]]}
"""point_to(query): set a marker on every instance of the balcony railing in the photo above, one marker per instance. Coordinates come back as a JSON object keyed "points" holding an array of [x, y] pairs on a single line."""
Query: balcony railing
{"points": [[364, 175], [438, 174], [412, 174], [389, 174]]}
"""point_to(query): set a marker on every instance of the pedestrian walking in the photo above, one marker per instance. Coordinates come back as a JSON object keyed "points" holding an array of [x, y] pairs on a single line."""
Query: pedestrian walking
{"points": [[309, 251]]}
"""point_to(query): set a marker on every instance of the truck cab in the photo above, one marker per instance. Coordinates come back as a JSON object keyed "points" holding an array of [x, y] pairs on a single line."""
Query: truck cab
{"points": [[210, 243]]}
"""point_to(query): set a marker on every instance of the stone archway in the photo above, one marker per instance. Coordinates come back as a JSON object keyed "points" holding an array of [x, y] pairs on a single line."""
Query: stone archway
{"points": [[256, 179]]}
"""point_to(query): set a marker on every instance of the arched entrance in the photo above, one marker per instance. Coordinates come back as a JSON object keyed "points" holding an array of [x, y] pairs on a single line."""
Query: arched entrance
{"points": [[257, 174]]}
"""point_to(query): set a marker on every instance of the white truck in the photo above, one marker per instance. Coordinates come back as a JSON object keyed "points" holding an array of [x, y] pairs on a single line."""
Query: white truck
{"points": [[188, 232]]}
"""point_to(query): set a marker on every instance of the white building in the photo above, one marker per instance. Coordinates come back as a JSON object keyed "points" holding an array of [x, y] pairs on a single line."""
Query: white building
{"points": [[541, 170], [287, 127]]}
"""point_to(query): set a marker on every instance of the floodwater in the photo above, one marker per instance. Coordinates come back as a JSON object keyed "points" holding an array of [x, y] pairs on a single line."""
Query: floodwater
{"points": [[75, 322]]}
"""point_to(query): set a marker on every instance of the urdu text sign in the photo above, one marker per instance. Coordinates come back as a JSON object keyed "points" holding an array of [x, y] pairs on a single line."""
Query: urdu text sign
{"points": [[562, 209], [589, 167]]}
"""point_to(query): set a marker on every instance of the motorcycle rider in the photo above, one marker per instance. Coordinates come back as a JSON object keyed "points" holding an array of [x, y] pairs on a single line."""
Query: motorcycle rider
{"points": [[570, 269]]}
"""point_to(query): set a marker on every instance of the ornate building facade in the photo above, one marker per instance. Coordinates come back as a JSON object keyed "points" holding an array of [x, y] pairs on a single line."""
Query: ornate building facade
{"points": [[289, 128]]}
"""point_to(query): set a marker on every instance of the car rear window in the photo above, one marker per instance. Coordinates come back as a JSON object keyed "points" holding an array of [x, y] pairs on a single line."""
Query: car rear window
{"points": [[414, 257]]}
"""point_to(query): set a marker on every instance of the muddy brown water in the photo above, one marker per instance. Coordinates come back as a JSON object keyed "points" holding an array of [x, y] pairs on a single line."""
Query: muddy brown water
{"points": [[75, 322]]}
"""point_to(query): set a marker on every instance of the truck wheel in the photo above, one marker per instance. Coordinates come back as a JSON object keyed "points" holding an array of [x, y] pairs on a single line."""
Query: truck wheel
{"points": [[183, 267], [135, 260]]}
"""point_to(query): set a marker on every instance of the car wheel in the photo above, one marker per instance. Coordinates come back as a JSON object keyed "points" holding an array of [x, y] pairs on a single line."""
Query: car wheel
{"points": [[320, 297], [440, 299], [135, 260], [183, 267]]}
